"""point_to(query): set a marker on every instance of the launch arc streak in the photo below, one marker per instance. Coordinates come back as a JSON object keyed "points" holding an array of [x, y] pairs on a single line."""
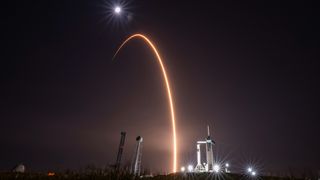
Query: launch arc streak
{"points": [[174, 139]]}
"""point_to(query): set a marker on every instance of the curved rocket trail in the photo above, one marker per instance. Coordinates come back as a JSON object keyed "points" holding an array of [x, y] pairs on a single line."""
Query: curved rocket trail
{"points": [[174, 139]]}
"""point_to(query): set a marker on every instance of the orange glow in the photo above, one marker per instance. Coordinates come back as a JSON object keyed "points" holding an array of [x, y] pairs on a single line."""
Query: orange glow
{"points": [[51, 174], [174, 139]]}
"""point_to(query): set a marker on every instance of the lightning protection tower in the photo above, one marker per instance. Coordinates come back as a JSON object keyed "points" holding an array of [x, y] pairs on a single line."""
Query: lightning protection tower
{"points": [[120, 151], [136, 162]]}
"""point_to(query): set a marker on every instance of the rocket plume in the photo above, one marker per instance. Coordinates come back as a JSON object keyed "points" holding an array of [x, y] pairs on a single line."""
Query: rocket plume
{"points": [[166, 80]]}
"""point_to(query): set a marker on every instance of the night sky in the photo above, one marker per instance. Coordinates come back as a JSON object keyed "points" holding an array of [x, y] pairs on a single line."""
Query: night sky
{"points": [[250, 70]]}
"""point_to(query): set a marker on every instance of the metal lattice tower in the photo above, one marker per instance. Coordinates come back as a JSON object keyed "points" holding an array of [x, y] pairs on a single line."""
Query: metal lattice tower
{"points": [[120, 151]]}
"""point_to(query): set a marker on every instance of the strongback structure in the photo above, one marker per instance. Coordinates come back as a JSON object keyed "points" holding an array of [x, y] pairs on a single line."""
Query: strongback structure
{"points": [[120, 151], [136, 162]]}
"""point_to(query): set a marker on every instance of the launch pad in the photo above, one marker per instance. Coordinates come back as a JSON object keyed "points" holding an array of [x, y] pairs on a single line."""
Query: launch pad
{"points": [[208, 166]]}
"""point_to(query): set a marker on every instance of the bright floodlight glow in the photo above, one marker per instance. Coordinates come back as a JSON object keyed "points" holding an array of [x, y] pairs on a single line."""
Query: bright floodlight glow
{"points": [[190, 168], [183, 169], [249, 169], [253, 173], [117, 9], [227, 164], [216, 168]]}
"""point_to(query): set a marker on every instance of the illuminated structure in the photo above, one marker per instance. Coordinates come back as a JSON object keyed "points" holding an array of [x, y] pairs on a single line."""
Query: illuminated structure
{"points": [[136, 162], [209, 143], [208, 167], [20, 168], [199, 167], [166, 80]]}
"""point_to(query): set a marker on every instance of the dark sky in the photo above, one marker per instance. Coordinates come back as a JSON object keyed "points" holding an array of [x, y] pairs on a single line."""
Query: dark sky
{"points": [[249, 69]]}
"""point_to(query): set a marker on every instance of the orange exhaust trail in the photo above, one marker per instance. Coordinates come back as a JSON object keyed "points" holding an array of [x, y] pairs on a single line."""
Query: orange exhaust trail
{"points": [[174, 137]]}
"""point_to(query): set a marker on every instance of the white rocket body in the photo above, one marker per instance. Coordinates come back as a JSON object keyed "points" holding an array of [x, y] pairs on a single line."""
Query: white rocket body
{"points": [[199, 167], [198, 155]]}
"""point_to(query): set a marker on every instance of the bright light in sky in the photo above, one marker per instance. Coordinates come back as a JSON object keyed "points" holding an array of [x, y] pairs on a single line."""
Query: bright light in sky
{"points": [[253, 173], [117, 10], [249, 169], [190, 168], [183, 169]]}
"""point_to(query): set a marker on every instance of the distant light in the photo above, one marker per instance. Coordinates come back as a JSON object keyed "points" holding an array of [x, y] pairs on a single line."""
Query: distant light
{"points": [[216, 168], [51, 174], [183, 169], [253, 173], [249, 169], [117, 10], [227, 164], [190, 168]]}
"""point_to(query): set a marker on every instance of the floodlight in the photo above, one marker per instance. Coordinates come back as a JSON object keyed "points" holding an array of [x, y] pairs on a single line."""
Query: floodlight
{"points": [[190, 168], [216, 168]]}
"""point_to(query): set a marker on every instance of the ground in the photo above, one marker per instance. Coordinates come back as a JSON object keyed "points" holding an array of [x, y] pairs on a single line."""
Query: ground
{"points": [[124, 175]]}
